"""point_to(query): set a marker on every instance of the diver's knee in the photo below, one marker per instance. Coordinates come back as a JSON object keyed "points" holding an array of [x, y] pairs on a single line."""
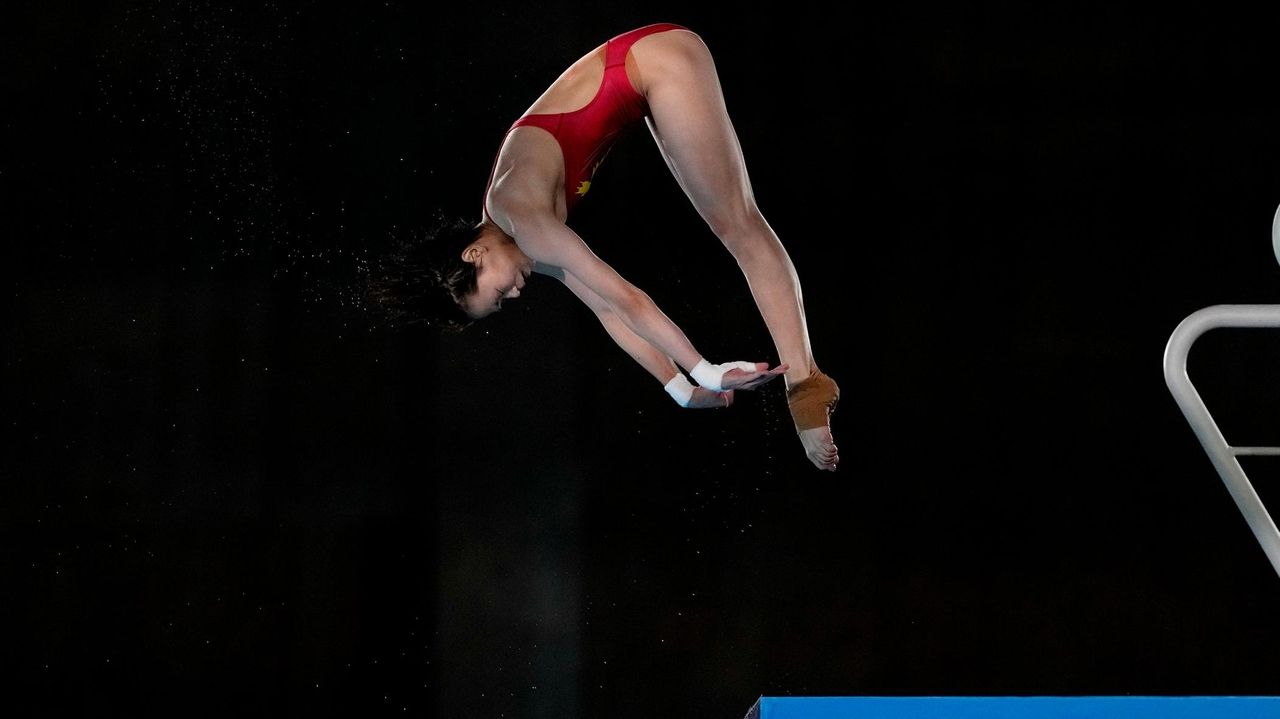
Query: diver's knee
{"points": [[742, 229]]}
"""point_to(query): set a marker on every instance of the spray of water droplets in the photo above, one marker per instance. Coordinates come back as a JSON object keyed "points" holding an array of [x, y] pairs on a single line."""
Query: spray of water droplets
{"points": [[214, 78]]}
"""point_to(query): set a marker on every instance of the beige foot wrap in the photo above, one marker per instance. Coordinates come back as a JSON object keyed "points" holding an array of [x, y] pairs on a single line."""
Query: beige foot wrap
{"points": [[812, 401]]}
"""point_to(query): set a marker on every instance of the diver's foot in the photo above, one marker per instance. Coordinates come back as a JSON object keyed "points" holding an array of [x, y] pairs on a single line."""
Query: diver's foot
{"points": [[811, 402], [820, 448]]}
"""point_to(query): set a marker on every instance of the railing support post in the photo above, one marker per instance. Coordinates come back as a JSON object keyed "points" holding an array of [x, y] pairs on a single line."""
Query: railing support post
{"points": [[1223, 455]]}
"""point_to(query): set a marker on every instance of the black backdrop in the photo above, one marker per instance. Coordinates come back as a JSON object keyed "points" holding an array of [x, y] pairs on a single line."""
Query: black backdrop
{"points": [[229, 490]]}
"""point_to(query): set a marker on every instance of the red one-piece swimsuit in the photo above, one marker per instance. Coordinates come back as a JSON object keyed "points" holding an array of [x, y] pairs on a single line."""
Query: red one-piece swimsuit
{"points": [[587, 134]]}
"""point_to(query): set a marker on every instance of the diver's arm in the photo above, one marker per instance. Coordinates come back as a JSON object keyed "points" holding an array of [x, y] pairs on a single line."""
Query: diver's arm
{"points": [[657, 364]]}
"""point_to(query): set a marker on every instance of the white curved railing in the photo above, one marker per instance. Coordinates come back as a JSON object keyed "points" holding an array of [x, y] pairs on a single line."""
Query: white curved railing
{"points": [[1223, 455], [1275, 234]]}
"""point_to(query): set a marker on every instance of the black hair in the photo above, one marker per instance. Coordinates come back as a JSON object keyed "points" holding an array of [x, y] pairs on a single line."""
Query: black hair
{"points": [[423, 278]]}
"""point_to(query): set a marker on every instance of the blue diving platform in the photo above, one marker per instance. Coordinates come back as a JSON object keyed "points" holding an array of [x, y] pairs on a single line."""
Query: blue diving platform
{"points": [[1041, 707]]}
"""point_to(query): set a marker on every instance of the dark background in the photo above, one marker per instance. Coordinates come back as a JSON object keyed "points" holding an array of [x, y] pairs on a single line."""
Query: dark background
{"points": [[230, 489]]}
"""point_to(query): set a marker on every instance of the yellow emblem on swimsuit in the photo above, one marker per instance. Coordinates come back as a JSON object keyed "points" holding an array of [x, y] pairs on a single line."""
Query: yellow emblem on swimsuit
{"points": [[585, 185]]}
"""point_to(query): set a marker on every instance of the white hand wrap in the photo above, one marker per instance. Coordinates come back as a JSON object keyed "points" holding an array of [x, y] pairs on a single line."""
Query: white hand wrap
{"points": [[679, 389], [709, 375]]}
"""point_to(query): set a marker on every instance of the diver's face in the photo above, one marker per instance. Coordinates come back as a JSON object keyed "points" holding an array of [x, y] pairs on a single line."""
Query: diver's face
{"points": [[500, 275]]}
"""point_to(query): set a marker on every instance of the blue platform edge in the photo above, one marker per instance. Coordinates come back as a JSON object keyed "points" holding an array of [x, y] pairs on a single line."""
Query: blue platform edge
{"points": [[1076, 707]]}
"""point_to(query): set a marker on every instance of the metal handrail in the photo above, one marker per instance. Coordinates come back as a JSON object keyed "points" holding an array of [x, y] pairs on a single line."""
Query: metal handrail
{"points": [[1215, 445]]}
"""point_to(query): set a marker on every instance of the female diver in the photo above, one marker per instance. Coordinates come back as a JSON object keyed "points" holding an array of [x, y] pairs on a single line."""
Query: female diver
{"points": [[664, 74]]}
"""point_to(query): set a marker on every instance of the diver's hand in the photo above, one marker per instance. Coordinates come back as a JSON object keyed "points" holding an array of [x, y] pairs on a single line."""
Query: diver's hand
{"points": [[704, 398], [740, 378]]}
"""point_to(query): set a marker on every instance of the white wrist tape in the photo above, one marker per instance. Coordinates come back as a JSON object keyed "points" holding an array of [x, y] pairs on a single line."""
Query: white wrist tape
{"points": [[679, 389], [709, 375]]}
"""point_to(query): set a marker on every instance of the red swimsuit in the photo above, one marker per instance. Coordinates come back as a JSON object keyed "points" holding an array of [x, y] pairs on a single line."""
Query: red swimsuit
{"points": [[587, 134]]}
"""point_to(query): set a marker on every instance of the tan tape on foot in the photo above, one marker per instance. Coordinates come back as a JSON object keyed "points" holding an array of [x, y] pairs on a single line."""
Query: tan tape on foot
{"points": [[812, 400]]}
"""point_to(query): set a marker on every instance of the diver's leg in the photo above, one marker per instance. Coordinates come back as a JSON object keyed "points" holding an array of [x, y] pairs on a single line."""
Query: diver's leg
{"points": [[691, 126]]}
